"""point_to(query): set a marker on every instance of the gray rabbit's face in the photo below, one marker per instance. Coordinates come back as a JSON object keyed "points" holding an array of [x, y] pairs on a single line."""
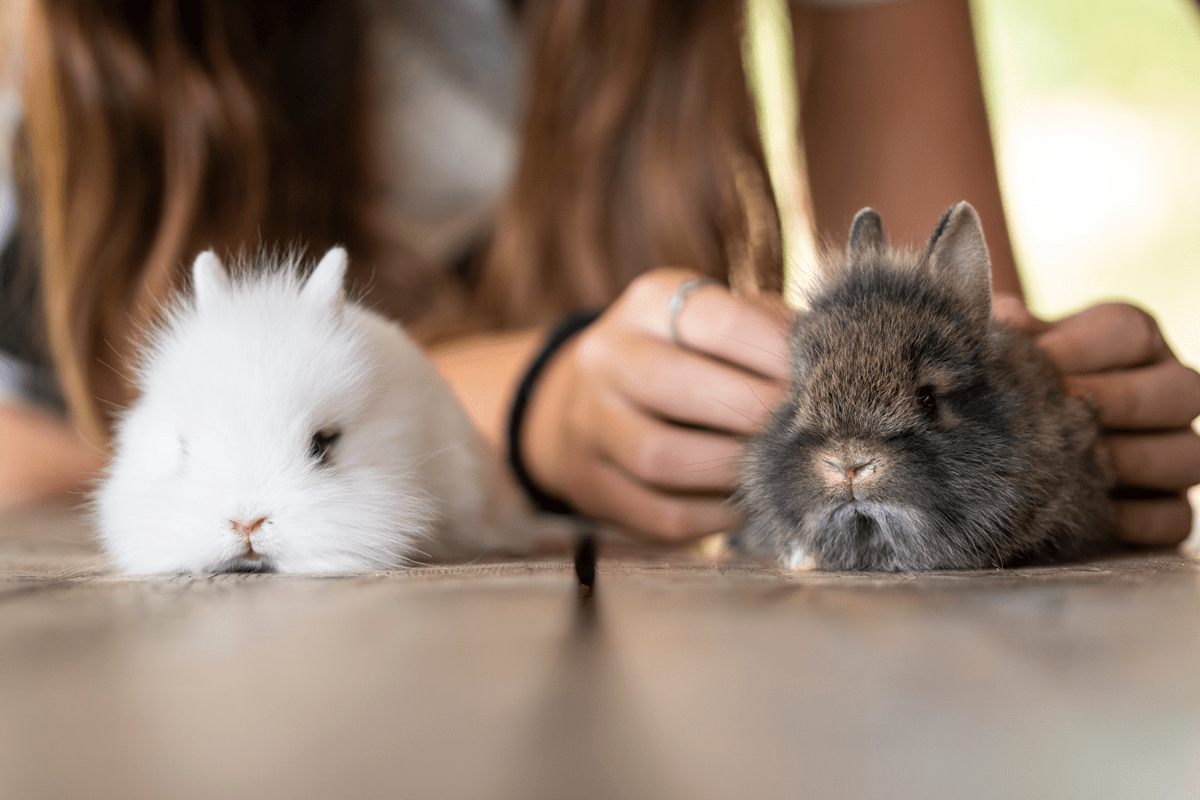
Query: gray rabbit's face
{"points": [[891, 439], [919, 433]]}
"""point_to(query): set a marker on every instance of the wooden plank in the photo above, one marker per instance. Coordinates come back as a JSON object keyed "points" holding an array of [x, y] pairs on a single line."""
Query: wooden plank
{"points": [[684, 679]]}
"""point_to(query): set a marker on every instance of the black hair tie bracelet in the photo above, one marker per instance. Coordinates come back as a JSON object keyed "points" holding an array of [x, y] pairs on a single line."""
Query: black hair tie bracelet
{"points": [[567, 327]]}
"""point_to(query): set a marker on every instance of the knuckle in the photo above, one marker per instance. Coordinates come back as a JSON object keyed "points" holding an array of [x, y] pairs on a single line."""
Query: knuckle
{"points": [[724, 320], [591, 350], [651, 457], [1148, 333], [1142, 328], [1192, 464], [648, 295], [1193, 394], [648, 290], [1120, 404]]}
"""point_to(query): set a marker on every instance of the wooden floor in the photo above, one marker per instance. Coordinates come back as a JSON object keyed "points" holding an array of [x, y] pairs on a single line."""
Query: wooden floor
{"points": [[681, 680]]}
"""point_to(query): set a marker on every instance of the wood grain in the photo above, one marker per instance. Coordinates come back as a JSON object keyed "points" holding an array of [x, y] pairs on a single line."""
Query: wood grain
{"points": [[682, 679]]}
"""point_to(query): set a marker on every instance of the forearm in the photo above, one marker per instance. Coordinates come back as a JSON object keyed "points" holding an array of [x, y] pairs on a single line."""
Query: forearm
{"points": [[894, 118], [41, 457], [484, 370]]}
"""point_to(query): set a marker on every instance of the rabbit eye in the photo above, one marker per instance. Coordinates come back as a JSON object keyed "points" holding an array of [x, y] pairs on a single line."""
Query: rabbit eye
{"points": [[927, 402], [322, 440]]}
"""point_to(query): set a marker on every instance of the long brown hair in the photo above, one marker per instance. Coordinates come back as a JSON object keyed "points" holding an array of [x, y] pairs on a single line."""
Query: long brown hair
{"points": [[640, 149], [162, 127]]}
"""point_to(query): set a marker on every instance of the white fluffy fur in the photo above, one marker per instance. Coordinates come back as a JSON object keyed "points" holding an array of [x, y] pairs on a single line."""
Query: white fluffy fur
{"points": [[233, 387]]}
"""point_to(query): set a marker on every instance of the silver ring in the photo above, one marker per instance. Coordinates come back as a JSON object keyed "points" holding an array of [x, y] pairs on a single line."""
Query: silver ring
{"points": [[675, 306]]}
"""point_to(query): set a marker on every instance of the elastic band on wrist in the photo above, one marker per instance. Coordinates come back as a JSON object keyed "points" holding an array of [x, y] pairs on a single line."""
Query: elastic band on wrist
{"points": [[558, 336]]}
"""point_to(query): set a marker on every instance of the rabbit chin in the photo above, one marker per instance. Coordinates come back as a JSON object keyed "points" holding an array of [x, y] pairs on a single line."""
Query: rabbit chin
{"points": [[314, 565], [230, 557], [244, 564], [201, 542], [870, 535]]}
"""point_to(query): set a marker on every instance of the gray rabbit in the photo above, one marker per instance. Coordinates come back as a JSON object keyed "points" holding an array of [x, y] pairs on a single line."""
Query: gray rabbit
{"points": [[919, 433]]}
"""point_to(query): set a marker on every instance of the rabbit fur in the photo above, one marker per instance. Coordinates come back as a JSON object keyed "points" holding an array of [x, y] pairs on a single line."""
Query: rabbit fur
{"points": [[918, 432], [281, 427]]}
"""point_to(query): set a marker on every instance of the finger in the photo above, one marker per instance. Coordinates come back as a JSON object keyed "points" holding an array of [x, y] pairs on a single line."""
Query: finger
{"points": [[1104, 337], [663, 455], [602, 490], [1010, 309], [686, 387], [1163, 395], [1166, 461], [749, 333], [1165, 521]]}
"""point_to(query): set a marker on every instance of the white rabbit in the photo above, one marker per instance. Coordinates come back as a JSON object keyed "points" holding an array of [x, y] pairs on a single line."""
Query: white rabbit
{"points": [[281, 427]]}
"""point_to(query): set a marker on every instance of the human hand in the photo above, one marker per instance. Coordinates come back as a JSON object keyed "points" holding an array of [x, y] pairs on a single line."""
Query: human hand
{"points": [[1114, 355], [627, 426]]}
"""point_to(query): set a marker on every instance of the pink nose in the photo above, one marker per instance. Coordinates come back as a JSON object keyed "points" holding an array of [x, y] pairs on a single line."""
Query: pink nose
{"points": [[849, 473], [860, 470], [247, 529]]}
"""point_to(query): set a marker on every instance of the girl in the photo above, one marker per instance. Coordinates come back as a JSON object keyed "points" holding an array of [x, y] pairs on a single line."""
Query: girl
{"points": [[159, 128]]}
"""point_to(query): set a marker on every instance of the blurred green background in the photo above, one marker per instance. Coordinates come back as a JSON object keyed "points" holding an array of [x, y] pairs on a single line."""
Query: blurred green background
{"points": [[1096, 115]]}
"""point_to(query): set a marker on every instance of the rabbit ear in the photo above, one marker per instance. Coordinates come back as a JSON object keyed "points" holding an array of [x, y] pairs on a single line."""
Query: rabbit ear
{"points": [[958, 256], [866, 235], [324, 286], [209, 277]]}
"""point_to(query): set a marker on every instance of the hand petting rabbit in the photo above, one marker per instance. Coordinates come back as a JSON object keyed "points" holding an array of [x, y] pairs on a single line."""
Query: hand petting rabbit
{"points": [[919, 432]]}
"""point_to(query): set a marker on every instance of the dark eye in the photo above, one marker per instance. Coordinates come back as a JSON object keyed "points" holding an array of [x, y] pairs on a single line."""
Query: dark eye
{"points": [[927, 402], [322, 440]]}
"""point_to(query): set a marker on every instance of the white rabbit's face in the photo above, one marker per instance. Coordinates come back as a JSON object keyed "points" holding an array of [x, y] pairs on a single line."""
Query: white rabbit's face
{"points": [[257, 442]]}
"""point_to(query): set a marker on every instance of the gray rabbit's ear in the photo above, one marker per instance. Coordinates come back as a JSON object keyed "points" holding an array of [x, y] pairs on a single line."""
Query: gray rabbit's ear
{"points": [[209, 277], [958, 256], [324, 286], [866, 235]]}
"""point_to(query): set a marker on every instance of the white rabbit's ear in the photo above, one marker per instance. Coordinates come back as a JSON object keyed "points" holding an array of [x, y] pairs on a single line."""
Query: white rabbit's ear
{"points": [[959, 256], [209, 277], [324, 286]]}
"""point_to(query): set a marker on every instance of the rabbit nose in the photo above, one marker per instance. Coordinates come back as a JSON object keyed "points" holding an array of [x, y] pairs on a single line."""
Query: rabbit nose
{"points": [[856, 470], [247, 529]]}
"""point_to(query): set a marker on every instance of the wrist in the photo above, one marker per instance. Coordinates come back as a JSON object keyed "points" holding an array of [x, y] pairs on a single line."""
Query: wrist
{"points": [[541, 436], [535, 421]]}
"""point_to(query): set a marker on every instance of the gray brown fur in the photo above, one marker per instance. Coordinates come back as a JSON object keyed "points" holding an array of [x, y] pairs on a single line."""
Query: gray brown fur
{"points": [[918, 432]]}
